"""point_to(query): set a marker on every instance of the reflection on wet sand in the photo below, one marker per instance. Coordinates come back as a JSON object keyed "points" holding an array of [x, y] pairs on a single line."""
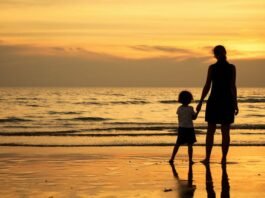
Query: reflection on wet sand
{"points": [[209, 182], [225, 190], [186, 188], [225, 193]]}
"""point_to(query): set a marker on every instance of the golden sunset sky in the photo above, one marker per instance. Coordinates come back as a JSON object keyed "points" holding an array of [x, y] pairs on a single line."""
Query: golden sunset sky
{"points": [[128, 42]]}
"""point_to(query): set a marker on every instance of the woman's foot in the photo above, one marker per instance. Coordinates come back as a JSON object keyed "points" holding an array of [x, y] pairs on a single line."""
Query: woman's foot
{"points": [[191, 162], [205, 161]]}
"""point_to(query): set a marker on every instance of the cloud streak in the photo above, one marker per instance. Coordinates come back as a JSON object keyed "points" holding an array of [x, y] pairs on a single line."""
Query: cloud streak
{"points": [[65, 67], [167, 49]]}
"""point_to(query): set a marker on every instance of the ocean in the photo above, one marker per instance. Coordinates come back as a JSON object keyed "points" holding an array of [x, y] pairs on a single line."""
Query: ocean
{"points": [[115, 117]]}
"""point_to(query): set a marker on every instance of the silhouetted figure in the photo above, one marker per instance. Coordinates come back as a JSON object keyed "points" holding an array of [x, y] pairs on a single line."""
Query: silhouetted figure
{"points": [[225, 188], [209, 182], [222, 103], [225, 193], [186, 133], [186, 188]]}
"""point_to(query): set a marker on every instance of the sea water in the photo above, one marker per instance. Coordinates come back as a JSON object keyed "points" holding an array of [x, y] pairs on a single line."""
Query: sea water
{"points": [[115, 117]]}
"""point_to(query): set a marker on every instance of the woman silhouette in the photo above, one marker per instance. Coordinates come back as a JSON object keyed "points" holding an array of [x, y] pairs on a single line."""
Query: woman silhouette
{"points": [[222, 105]]}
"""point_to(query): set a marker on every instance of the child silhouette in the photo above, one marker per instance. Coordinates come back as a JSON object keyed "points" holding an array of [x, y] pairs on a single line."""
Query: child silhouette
{"points": [[186, 134]]}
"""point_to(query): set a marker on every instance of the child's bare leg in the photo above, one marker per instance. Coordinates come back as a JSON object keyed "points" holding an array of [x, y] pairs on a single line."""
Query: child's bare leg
{"points": [[190, 151], [175, 150]]}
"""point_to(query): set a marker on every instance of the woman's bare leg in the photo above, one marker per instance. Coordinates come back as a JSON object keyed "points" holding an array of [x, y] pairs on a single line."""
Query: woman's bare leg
{"points": [[225, 128], [209, 141]]}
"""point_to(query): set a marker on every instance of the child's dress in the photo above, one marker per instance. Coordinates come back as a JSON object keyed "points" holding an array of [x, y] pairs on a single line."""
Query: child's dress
{"points": [[186, 133]]}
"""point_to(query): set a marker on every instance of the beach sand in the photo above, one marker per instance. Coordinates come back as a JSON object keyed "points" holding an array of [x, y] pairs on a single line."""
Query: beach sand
{"points": [[129, 172]]}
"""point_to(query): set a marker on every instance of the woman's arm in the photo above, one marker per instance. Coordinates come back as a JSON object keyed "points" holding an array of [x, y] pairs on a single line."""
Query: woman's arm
{"points": [[206, 88], [234, 90], [195, 115]]}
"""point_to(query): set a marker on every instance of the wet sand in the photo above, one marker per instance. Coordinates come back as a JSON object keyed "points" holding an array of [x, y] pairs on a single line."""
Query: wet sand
{"points": [[129, 172]]}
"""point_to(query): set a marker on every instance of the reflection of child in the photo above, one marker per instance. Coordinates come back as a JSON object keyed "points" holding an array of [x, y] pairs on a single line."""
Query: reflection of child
{"points": [[186, 134], [185, 187]]}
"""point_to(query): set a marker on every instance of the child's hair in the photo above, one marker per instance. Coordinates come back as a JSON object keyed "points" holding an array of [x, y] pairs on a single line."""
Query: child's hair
{"points": [[185, 97]]}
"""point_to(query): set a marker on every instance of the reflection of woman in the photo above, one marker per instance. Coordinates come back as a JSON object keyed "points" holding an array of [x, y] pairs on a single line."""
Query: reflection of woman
{"points": [[222, 103], [225, 190], [225, 193], [209, 182]]}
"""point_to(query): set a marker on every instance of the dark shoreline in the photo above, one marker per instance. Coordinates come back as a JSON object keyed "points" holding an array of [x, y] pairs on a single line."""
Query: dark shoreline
{"points": [[123, 145]]}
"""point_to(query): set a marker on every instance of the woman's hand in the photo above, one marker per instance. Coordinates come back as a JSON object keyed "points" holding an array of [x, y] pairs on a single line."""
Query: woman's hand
{"points": [[236, 110]]}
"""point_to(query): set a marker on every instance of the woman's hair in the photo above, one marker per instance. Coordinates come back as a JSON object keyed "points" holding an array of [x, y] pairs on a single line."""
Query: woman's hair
{"points": [[219, 52], [185, 97]]}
